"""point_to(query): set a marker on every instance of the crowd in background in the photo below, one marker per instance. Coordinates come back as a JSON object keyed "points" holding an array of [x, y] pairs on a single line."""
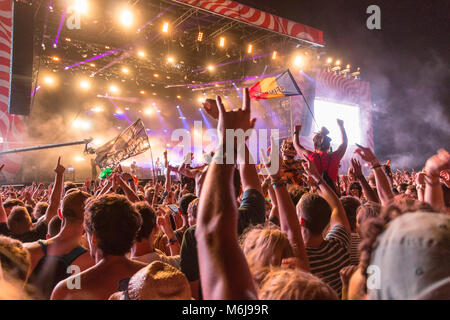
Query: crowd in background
{"points": [[234, 231]]}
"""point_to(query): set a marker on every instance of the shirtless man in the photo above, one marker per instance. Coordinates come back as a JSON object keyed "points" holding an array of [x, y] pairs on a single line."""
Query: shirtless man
{"points": [[111, 223]]}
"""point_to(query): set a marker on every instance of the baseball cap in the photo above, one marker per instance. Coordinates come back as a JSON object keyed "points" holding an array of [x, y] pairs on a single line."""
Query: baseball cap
{"points": [[412, 258]]}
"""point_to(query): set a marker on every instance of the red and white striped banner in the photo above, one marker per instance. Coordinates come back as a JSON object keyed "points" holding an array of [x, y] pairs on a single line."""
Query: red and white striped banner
{"points": [[246, 14], [10, 125]]}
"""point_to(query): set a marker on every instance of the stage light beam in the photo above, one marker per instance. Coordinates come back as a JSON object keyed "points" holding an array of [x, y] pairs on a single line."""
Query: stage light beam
{"points": [[222, 42], [274, 55], [165, 28], [84, 84], [250, 48], [200, 37], [80, 6]]}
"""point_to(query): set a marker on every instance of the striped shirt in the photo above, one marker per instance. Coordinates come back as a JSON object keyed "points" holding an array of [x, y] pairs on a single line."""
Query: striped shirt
{"points": [[333, 254], [354, 251]]}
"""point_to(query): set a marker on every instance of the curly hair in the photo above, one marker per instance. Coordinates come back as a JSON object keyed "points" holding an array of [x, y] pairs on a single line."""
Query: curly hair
{"points": [[373, 227], [115, 223], [294, 284], [15, 259]]}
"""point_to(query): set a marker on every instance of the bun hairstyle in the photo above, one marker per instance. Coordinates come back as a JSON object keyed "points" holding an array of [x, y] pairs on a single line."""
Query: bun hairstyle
{"points": [[321, 139]]}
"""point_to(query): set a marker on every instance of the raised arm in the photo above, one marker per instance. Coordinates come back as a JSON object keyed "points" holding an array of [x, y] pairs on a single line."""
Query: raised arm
{"points": [[129, 193], [248, 173], [338, 215], [289, 222], [434, 194], [371, 195], [383, 187], [224, 271], [343, 147], [296, 140], [56, 195]]}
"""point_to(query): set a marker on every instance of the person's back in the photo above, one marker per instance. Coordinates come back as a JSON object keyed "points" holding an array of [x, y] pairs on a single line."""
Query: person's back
{"points": [[111, 224], [51, 259]]}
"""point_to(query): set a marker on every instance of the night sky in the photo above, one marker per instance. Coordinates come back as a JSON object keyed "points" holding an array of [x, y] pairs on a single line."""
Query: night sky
{"points": [[407, 63]]}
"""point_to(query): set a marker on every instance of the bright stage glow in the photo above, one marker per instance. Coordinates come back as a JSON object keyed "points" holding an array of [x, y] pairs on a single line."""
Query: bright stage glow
{"points": [[141, 54], [125, 70], [84, 84], [179, 97], [222, 42], [78, 159], [49, 80], [148, 111], [97, 142], [200, 36], [142, 92], [274, 55], [156, 75], [250, 48], [347, 66], [330, 60], [299, 61], [97, 109], [327, 112], [118, 111], [126, 18], [170, 60], [202, 99], [81, 124], [80, 6], [92, 65], [113, 89], [55, 58], [211, 68], [165, 27], [338, 62]]}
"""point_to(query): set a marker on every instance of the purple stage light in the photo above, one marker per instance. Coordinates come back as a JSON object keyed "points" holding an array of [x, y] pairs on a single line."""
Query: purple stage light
{"points": [[157, 16], [61, 22], [108, 53]]}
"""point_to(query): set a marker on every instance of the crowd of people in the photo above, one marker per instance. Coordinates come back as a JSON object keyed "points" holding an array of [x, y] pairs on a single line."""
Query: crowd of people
{"points": [[234, 231]]}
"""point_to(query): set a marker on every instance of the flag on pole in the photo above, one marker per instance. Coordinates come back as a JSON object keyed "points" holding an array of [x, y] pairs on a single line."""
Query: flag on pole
{"points": [[282, 85], [131, 142]]}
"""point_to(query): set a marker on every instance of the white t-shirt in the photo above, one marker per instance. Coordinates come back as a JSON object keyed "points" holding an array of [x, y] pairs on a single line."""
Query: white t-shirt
{"points": [[159, 256]]}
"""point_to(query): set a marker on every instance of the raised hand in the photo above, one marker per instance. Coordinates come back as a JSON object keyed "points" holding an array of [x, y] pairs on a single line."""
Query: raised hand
{"points": [[59, 167], [367, 155], [210, 106], [437, 163], [356, 167], [310, 168], [238, 119], [420, 178], [340, 123]]}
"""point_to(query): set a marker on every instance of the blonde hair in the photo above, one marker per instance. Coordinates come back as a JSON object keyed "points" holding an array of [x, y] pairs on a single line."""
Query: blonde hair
{"points": [[265, 246], [294, 284]]}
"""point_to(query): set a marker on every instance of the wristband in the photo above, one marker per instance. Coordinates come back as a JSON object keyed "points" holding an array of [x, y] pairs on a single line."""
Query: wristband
{"points": [[278, 184]]}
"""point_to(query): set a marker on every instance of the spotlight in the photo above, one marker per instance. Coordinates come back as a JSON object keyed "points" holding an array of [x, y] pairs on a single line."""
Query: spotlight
{"points": [[165, 27], [118, 111], [211, 68], [80, 6], [48, 80], [329, 60], [141, 54], [250, 48], [299, 61], [113, 89], [81, 124], [78, 159], [126, 18], [200, 36], [126, 108], [170, 60], [178, 107], [97, 109], [142, 92], [274, 55], [84, 84], [97, 142], [338, 62], [125, 70], [222, 42], [55, 58], [179, 97], [156, 75], [148, 111], [348, 66], [201, 99]]}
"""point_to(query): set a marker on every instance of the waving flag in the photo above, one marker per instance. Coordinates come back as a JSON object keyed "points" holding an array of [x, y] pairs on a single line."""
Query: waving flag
{"points": [[282, 85]]}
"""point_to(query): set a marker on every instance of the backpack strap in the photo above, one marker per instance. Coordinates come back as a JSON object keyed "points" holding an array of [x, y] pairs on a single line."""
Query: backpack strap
{"points": [[72, 255], [43, 246]]}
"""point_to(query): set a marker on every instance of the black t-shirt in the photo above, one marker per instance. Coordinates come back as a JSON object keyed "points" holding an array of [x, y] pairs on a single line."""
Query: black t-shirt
{"points": [[37, 233], [251, 212]]}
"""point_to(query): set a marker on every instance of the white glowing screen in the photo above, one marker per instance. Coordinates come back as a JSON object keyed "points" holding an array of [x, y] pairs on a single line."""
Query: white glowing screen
{"points": [[327, 112]]}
